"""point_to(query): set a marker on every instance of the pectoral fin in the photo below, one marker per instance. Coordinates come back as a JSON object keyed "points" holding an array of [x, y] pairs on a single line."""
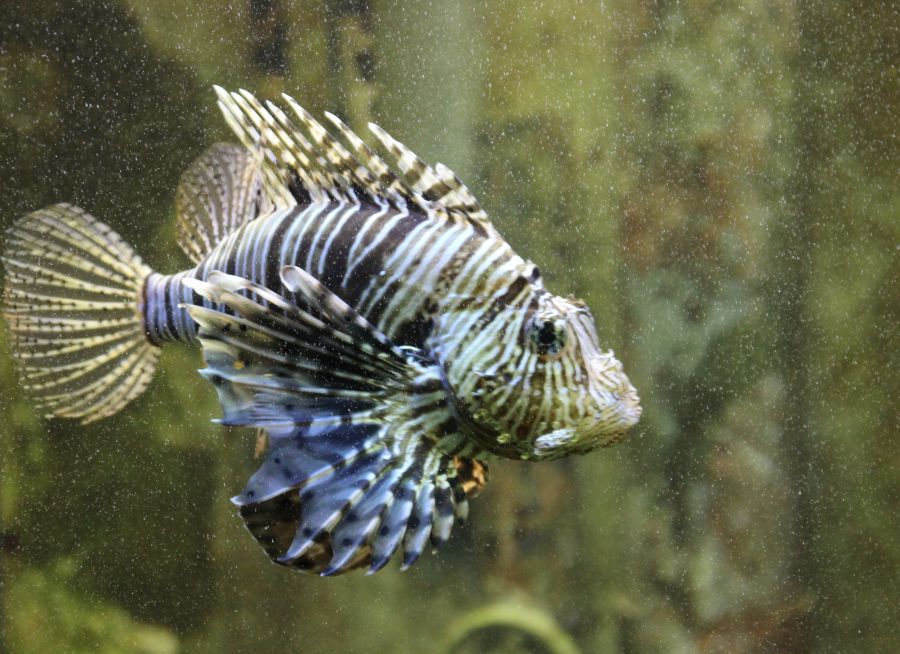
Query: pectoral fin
{"points": [[354, 470]]}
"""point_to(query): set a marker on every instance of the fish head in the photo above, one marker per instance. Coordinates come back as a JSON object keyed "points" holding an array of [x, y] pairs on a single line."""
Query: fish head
{"points": [[543, 386], [578, 395]]}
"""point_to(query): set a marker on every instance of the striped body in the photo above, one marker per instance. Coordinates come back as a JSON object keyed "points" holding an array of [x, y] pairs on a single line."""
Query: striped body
{"points": [[425, 281], [396, 268], [401, 270], [369, 322]]}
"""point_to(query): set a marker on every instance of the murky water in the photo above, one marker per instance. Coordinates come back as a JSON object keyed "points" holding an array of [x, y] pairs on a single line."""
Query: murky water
{"points": [[717, 181]]}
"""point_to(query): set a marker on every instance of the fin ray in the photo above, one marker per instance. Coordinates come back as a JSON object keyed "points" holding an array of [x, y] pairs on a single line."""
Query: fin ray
{"points": [[218, 193], [353, 471], [71, 300], [307, 164]]}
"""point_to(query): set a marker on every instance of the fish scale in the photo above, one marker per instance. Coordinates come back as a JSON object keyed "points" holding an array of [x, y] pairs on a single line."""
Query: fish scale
{"points": [[360, 312]]}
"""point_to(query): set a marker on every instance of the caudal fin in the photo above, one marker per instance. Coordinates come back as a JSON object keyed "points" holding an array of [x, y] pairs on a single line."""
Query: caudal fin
{"points": [[71, 300]]}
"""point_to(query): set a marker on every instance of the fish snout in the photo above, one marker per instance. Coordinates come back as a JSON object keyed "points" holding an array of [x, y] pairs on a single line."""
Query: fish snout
{"points": [[618, 406]]}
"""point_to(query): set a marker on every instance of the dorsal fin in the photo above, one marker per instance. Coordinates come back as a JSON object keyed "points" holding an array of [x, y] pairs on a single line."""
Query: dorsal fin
{"points": [[313, 165], [440, 187], [280, 162], [219, 192], [378, 174]]}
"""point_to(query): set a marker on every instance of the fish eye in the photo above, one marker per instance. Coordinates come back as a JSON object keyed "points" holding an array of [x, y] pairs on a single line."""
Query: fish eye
{"points": [[547, 334]]}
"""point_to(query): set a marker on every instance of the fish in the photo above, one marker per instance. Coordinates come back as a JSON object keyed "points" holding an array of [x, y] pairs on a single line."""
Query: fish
{"points": [[358, 310]]}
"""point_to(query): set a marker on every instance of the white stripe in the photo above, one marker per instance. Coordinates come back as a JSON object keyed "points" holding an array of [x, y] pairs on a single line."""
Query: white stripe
{"points": [[305, 222], [323, 258], [407, 250], [327, 226], [294, 234], [376, 240], [421, 283]]}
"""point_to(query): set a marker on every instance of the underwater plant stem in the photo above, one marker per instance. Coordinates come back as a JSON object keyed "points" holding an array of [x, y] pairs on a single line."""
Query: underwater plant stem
{"points": [[510, 615]]}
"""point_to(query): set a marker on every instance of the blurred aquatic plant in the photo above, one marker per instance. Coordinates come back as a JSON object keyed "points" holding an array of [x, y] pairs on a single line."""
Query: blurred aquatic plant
{"points": [[507, 626], [45, 614]]}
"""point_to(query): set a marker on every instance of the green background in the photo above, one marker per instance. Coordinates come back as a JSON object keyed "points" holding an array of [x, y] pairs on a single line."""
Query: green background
{"points": [[717, 179]]}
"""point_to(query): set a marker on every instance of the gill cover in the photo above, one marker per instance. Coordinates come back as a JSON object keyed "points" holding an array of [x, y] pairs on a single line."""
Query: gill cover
{"points": [[533, 375]]}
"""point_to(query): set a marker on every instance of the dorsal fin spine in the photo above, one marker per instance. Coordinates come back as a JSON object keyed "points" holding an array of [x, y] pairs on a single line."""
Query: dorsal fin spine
{"points": [[377, 173], [332, 170], [346, 167], [275, 185], [326, 178], [418, 175], [298, 154], [338, 179], [357, 176], [292, 144]]}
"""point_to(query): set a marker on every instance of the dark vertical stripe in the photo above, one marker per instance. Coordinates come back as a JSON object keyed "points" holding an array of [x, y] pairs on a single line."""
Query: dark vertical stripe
{"points": [[164, 320]]}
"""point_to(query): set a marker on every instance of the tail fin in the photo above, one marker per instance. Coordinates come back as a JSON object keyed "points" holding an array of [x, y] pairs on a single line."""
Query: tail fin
{"points": [[71, 299]]}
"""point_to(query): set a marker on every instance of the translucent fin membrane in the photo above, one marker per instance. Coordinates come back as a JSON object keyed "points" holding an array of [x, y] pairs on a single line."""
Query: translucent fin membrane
{"points": [[71, 302], [220, 192]]}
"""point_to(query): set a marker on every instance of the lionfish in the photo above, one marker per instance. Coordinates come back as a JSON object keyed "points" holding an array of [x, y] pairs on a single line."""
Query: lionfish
{"points": [[368, 320]]}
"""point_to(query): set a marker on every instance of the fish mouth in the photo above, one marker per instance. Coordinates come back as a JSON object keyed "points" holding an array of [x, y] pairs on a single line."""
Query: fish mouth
{"points": [[619, 407], [616, 398], [609, 426], [617, 413], [629, 409]]}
